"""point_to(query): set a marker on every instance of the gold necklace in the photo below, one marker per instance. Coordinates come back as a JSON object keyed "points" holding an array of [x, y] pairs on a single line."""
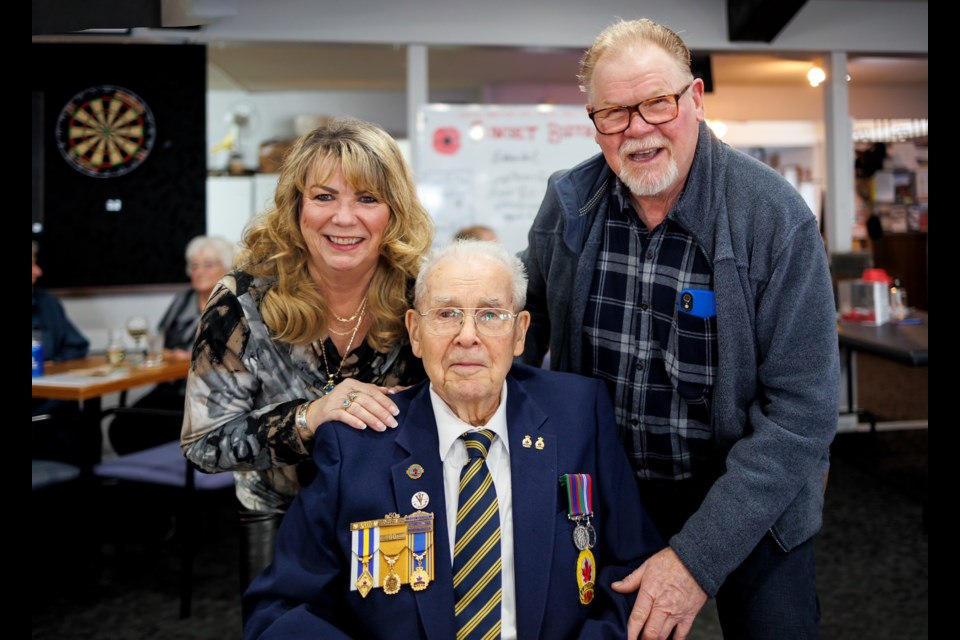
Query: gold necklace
{"points": [[363, 307], [331, 377], [363, 303]]}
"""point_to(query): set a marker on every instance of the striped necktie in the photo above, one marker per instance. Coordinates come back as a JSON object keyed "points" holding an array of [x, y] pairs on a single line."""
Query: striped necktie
{"points": [[476, 556]]}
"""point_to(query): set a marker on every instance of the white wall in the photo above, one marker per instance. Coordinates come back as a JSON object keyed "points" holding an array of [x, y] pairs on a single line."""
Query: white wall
{"points": [[274, 114], [95, 315]]}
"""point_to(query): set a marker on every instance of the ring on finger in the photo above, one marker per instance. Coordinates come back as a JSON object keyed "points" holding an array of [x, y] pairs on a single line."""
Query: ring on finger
{"points": [[351, 396]]}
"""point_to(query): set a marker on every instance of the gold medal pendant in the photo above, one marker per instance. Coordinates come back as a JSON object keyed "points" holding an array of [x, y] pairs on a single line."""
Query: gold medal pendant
{"points": [[365, 581], [420, 578], [586, 575], [393, 545], [391, 583]]}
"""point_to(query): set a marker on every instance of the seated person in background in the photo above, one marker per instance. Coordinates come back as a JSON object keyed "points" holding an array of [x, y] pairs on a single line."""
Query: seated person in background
{"points": [[61, 341], [377, 547], [208, 259], [476, 232]]}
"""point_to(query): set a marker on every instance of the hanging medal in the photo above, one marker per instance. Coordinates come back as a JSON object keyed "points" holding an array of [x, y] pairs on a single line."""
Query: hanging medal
{"points": [[580, 507], [364, 543], [393, 544], [420, 544]]}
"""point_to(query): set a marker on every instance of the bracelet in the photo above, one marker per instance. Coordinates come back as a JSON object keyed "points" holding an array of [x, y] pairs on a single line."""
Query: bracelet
{"points": [[301, 421]]}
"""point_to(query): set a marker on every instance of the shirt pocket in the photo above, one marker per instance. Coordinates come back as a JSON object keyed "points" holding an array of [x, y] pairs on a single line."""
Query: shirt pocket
{"points": [[690, 355]]}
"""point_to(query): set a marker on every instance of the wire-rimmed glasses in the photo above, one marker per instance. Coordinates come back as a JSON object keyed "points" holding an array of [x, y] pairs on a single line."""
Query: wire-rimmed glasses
{"points": [[490, 321], [658, 110]]}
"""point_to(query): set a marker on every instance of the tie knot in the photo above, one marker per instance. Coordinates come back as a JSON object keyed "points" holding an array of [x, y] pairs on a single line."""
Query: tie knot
{"points": [[478, 443]]}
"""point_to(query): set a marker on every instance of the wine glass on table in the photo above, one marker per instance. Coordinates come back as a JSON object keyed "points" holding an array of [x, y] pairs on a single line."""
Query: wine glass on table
{"points": [[137, 328]]}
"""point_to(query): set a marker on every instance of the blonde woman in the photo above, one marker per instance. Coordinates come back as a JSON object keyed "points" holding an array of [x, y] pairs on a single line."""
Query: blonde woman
{"points": [[310, 326]]}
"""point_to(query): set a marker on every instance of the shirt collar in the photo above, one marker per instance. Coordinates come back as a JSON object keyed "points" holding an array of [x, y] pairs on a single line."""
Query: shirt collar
{"points": [[450, 427]]}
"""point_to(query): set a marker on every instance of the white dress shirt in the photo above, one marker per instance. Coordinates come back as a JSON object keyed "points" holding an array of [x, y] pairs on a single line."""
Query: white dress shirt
{"points": [[453, 452]]}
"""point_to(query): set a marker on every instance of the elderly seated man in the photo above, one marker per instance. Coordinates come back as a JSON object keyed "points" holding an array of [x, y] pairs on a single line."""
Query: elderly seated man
{"points": [[502, 505]]}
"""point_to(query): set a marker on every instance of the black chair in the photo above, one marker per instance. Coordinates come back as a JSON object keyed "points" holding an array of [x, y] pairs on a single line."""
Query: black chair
{"points": [[166, 466]]}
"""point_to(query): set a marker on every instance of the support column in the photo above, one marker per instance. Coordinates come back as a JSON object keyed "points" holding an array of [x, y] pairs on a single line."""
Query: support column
{"points": [[417, 96], [839, 197]]}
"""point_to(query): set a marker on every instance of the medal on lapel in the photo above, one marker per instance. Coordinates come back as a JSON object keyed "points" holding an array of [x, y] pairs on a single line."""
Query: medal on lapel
{"points": [[364, 543], [579, 509], [393, 542], [420, 543], [392, 551]]}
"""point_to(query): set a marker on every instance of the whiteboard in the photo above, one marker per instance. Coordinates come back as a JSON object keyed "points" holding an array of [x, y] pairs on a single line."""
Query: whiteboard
{"points": [[489, 164]]}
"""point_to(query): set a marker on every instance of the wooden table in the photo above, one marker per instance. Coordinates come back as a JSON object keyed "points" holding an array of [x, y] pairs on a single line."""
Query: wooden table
{"points": [[87, 380], [898, 343]]}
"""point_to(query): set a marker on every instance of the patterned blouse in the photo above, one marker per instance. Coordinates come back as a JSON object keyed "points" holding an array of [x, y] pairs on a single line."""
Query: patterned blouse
{"points": [[243, 390]]}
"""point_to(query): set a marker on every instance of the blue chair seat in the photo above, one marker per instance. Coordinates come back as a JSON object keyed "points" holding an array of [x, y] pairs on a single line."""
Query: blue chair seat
{"points": [[164, 465]]}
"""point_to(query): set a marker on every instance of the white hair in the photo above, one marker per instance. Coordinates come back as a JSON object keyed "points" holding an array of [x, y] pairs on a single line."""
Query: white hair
{"points": [[465, 250], [218, 245]]}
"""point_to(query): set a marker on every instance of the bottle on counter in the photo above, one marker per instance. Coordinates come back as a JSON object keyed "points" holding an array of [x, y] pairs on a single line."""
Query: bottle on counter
{"points": [[37, 354], [898, 301]]}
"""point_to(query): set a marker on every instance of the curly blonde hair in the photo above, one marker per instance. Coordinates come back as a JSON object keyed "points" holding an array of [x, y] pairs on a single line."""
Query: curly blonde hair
{"points": [[293, 307], [623, 33]]}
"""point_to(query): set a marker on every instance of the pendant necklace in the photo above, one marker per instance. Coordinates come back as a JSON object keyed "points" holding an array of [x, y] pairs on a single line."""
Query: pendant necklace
{"points": [[363, 303], [331, 377]]}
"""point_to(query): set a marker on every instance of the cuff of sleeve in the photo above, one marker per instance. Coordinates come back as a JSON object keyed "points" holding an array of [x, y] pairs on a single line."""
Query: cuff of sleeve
{"points": [[301, 422]]}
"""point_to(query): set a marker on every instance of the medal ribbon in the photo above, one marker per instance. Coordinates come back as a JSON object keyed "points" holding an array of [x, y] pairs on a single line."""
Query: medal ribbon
{"points": [[365, 543], [579, 494]]}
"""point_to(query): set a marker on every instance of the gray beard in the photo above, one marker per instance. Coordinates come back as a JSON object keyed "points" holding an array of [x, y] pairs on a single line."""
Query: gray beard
{"points": [[646, 184]]}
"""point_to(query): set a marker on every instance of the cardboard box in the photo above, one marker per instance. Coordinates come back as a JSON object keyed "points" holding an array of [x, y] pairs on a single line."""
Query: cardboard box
{"points": [[271, 155]]}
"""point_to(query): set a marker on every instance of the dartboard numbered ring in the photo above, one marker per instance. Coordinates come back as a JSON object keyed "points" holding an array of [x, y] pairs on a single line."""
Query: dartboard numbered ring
{"points": [[105, 131]]}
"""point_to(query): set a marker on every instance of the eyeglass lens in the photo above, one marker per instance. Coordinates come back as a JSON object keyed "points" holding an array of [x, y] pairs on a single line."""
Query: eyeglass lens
{"points": [[448, 320], [659, 110]]}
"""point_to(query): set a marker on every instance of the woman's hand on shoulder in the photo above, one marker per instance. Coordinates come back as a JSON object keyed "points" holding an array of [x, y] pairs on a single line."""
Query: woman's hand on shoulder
{"points": [[357, 404]]}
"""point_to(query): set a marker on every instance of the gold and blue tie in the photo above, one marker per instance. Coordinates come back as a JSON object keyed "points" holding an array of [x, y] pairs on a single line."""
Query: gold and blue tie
{"points": [[476, 555]]}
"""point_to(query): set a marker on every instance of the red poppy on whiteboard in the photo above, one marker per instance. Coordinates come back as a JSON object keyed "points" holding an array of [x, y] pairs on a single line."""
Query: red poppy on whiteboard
{"points": [[446, 140]]}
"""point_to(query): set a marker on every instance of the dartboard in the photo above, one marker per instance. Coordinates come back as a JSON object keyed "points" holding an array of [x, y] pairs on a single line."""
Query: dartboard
{"points": [[105, 131]]}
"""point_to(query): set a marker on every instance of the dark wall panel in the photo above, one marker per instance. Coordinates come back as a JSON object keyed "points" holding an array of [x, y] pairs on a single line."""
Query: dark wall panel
{"points": [[128, 229]]}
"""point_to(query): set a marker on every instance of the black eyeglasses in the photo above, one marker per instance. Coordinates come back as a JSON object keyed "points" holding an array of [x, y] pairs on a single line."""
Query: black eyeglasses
{"points": [[659, 110]]}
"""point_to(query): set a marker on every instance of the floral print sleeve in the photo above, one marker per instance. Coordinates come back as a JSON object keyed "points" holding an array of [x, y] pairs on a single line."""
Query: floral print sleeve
{"points": [[230, 421], [243, 390]]}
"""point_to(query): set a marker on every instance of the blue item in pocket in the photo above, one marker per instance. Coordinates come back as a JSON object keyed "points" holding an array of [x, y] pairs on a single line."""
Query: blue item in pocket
{"points": [[698, 302]]}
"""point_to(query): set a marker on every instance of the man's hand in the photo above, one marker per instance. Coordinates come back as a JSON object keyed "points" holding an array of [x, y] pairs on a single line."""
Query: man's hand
{"points": [[667, 597]]}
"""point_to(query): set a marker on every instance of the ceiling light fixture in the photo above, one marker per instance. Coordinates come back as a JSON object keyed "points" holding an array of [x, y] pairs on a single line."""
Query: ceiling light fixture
{"points": [[815, 76]]}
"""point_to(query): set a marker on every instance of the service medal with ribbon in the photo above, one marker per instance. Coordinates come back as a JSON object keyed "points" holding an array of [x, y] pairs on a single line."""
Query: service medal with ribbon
{"points": [[580, 507], [420, 544], [365, 543], [392, 551]]}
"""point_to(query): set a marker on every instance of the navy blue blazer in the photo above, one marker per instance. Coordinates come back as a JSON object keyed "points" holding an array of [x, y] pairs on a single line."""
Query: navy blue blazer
{"points": [[363, 476]]}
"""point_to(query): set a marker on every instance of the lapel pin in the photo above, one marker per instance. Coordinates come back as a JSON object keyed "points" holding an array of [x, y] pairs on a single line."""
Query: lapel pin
{"points": [[414, 471], [526, 442], [420, 500], [540, 445]]}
